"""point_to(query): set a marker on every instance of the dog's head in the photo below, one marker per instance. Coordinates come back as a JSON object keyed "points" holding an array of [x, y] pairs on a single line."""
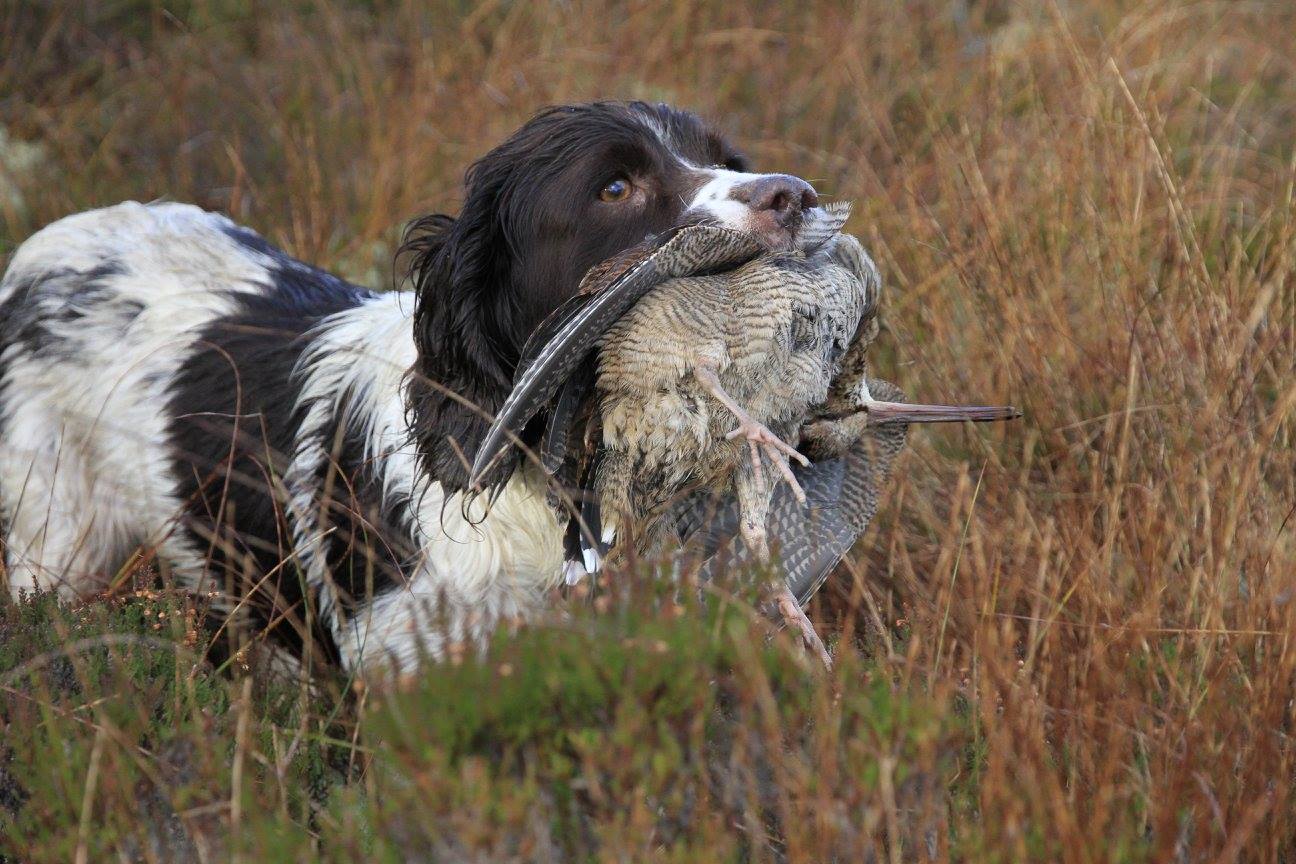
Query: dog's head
{"points": [[574, 186]]}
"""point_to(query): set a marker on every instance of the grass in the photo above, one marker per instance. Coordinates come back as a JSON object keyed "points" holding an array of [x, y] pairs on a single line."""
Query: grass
{"points": [[1065, 639]]}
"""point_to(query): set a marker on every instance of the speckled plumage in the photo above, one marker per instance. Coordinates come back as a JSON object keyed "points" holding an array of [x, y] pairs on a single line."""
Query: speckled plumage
{"points": [[775, 331]]}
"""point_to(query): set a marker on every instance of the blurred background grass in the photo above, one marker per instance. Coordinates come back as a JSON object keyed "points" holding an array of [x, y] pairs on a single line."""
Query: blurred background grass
{"points": [[1065, 639]]}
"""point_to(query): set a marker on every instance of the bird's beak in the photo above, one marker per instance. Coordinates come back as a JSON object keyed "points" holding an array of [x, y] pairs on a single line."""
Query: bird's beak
{"points": [[902, 412]]}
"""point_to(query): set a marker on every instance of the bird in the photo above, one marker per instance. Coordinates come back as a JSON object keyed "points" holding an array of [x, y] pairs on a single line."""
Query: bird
{"points": [[706, 379], [704, 354]]}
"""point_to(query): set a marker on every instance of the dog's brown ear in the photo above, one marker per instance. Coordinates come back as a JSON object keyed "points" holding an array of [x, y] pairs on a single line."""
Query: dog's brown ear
{"points": [[457, 269]]}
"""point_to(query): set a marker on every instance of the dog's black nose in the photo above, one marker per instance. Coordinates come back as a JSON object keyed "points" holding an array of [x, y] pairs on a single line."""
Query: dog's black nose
{"points": [[782, 194]]}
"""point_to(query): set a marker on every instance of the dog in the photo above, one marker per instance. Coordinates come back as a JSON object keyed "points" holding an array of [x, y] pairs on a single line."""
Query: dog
{"points": [[299, 446]]}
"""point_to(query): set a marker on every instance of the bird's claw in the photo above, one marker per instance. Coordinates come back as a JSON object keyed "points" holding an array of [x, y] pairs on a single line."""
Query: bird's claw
{"points": [[794, 616], [759, 437]]}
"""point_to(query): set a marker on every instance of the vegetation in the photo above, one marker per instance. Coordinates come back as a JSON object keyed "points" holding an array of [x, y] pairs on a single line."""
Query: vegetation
{"points": [[1064, 639]]}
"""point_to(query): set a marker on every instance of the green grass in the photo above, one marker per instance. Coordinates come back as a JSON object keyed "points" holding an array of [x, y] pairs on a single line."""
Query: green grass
{"points": [[647, 729]]}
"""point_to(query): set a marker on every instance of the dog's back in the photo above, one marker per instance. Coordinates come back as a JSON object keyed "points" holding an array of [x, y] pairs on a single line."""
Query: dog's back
{"points": [[97, 314]]}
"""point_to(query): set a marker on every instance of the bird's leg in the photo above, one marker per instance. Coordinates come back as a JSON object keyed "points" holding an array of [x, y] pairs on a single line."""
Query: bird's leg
{"points": [[754, 535], [753, 510], [758, 435], [794, 616], [753, 507]]}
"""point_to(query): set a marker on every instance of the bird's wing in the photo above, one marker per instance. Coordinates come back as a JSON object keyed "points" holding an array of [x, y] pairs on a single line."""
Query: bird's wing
{"points": [[808, 539], [567, 408], [564, 339]]}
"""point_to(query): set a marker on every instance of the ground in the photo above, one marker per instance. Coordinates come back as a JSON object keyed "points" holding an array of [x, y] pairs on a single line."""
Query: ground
{"points": [[1064, 639]]}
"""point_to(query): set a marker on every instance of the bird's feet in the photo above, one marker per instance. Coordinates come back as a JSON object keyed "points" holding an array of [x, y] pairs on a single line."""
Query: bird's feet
{"points": [[759, 437], [794, 617], [761, 440]]}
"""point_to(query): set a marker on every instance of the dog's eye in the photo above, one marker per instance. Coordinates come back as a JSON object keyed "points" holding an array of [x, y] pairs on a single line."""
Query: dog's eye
{"points": [[618, 190], [735, 163]]}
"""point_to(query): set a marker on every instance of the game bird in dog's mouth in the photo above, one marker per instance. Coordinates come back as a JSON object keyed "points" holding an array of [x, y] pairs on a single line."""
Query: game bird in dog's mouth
{"points": [[702, 360]]}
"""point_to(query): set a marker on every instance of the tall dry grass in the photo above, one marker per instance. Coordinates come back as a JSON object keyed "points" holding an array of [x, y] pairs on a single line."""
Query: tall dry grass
{"points": [[1084, 209]]}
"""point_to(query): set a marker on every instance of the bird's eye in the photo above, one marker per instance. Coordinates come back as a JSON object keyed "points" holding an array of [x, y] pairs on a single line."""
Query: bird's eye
{"points": [[618, 190]]}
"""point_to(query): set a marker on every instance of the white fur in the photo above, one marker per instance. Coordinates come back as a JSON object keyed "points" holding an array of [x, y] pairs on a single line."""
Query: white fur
{"points": [[492, 567], [714, 198], [84, 475]]}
